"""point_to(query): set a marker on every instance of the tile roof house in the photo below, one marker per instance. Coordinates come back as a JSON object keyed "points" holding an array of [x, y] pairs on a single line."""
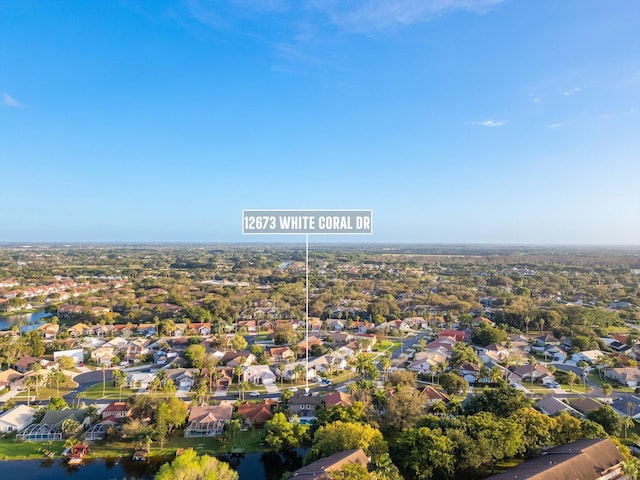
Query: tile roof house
{"points": [[256, 414], [9, 377], [116, 409], [338, 399], [208, 420], [321, 469], [25, 364], [432, 395], [586, 459], [537, 371]]}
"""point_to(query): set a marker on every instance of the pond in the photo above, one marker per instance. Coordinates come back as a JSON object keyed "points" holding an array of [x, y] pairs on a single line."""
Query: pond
{"points": [[253, 466], [31, 320]]}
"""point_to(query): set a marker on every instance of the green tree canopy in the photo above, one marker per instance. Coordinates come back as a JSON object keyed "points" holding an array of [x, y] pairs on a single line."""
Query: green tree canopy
{"points": [[190, 466], [503, 400], [453, 384], [423, 453], [339, 436]]}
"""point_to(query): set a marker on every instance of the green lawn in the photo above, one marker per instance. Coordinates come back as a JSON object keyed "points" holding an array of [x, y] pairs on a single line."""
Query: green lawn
{"points": [[10, 449], [111, 392], [46, 392], [249, 440]]}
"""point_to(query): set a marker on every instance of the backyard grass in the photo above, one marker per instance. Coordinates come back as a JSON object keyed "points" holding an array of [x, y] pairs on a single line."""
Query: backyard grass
{"points": [[10, 449], [249, 441]]}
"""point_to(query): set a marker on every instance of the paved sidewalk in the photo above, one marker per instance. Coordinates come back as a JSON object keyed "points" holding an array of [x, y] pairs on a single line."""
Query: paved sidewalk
{"points": [[9, 395]]}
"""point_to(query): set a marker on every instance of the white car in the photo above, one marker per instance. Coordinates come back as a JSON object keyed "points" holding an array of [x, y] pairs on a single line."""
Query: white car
{"points": [[254, 394], [293, 389]]}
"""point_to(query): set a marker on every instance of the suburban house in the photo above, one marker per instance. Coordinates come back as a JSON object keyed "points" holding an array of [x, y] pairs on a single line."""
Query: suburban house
{"points": [[303, 406], [49, 330], [585, 405], [321, 469], [629, 376], [79, 330], [256, 414], [281, 354], [103, 355], [137, 349], [208, 420], [552, 406], [49, 427], [259, 375], [77, 354], [586, 459], [182, 377], [536, 372], [116, 409], [24, 364], [337, 399], [16, 419], [430, 395], [10, 379], [140, 380], [589, 356]]}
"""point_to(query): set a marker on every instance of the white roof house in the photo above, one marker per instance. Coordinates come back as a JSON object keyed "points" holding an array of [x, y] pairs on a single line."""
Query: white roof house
{"points": [[16, 419], [259, 374], [77, 354], [140, 380]]}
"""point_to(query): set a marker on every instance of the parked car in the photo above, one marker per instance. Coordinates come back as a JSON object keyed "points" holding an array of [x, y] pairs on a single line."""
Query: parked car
{"points": [[293, 389], [254, 394]]}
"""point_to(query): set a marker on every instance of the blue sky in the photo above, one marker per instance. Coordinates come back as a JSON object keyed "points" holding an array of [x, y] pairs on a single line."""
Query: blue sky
{"points": [[458, 121]]}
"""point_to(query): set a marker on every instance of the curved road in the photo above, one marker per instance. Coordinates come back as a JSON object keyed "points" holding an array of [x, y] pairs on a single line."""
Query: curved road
{"points": [[84, 381]]}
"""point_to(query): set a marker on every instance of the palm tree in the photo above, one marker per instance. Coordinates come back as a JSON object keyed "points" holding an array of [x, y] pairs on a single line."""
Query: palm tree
{"points": [[439, 408], [29, 383], [210, 362], [572, 378], [238, 371], [71, 442], [119, 381], [169, 387], [56, 376], [532, 363], [607, 389], [69, 427], [380, 400], [37, 376], [281, 367], [627, 422], [299, 371], [385, 364], [103, 367]]}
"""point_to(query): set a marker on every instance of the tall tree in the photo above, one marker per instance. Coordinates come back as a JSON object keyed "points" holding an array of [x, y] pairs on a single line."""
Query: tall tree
{"points": [[189, 465]]}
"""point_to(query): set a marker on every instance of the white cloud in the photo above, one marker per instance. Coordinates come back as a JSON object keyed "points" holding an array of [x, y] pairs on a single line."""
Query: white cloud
{"points": [[378, 15], [556, 125], [354, 16], [489, 123], [573, 91], [536, 100], [9, 101]]}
